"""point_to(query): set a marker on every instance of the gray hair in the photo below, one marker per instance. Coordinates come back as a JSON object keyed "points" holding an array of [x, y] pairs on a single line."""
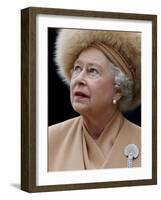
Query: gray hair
{"points": [[126, 87]]}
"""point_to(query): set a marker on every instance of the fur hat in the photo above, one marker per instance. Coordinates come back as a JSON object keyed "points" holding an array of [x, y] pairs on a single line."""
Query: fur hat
{"points": [[70, 43]]}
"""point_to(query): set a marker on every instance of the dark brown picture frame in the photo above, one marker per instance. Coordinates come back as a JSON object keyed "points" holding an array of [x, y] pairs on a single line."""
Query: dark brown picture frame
{"points": [[28, 98]]}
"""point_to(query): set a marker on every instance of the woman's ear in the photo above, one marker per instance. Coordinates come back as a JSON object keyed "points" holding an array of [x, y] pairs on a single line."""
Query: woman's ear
{"points": [[117, 92]]}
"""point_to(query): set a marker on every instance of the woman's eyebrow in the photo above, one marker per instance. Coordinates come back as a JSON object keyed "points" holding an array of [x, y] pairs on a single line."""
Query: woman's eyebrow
{"points": [[94, 64], [78, 61]]}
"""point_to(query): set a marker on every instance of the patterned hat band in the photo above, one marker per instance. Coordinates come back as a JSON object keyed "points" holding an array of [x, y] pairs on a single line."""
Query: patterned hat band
{"points": [[117, 59]]}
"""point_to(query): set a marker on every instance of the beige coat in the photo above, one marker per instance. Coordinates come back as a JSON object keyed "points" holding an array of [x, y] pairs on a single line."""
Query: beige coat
{"points": [[70, 147]]}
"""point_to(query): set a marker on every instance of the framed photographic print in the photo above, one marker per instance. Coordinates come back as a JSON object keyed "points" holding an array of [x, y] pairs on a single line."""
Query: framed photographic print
{"points": [[88, 99]]}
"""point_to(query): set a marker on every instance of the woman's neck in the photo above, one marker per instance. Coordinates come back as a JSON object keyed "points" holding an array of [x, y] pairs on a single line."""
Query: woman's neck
{"points": [[96, 124]]}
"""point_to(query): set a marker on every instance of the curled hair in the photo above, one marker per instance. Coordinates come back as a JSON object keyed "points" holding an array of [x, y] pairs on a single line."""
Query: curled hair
{"points": [[126, 87]]}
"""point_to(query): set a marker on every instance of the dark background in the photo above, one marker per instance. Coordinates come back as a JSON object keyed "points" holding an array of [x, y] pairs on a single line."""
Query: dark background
{"points": [[59, 106]]}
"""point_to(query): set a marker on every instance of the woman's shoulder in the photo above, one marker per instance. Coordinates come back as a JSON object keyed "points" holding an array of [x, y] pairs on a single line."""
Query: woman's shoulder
{"points": [[63, 127], [132, 131], [58, 133], [132, 126]]}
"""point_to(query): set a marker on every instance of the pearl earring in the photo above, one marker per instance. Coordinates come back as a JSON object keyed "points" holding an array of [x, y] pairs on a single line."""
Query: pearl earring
{"points": [[114, 101]]}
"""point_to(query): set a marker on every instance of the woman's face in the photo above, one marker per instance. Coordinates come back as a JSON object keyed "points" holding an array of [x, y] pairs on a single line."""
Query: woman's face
{"points": [[92, 83]]}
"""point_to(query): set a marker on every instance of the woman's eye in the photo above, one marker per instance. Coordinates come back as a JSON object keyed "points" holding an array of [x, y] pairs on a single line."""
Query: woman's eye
{"points": [[93, 71], [77, 68]]}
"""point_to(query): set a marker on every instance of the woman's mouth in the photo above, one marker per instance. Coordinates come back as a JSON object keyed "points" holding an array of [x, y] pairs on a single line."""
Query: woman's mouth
{"points": [[80, 95]]}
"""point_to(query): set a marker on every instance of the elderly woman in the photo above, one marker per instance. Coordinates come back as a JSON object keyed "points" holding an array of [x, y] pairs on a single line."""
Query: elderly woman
{"points": [[103, 71]]}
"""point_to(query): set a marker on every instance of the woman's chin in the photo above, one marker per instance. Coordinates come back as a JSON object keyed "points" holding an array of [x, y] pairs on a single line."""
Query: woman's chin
{"points": [[80, 108]]}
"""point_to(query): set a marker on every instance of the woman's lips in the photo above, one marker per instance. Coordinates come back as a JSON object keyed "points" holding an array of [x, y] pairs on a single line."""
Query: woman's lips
{"points": [[80, 95]]}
